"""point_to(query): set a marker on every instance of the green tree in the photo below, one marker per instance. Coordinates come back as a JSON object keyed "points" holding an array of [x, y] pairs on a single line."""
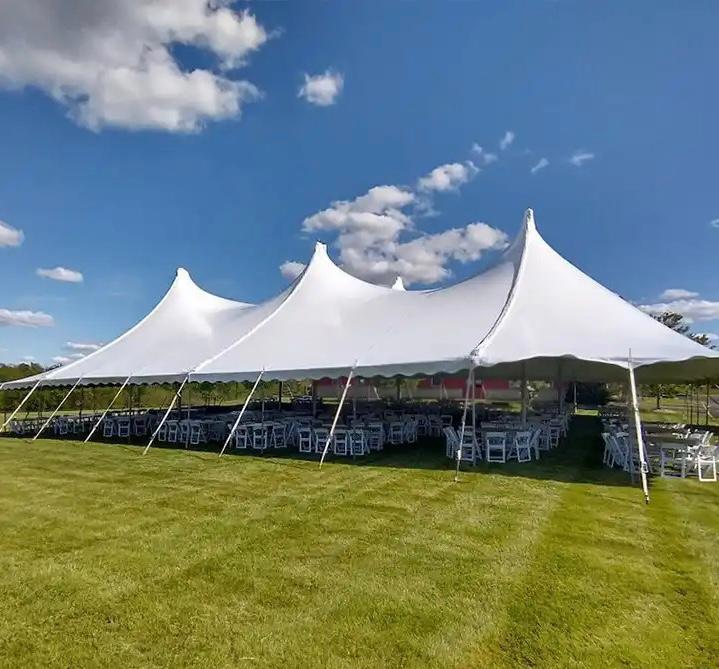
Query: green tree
{"points": [[677, 323]]}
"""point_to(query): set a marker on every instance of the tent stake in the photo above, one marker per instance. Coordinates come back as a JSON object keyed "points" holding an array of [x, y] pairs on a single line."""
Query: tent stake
{"points": [[638, 428], [20, 406], [52, 415], [167, 413], [104, 413], [470, 379], [242, 412], [337, 415]]}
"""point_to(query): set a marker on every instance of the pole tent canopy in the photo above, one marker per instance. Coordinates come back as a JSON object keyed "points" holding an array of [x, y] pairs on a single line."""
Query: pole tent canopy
{"points": [[531, 314]]}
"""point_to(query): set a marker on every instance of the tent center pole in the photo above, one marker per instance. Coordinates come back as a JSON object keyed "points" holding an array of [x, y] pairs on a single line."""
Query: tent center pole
{"points": [[104, 413], [524, 393], [242, 412]]}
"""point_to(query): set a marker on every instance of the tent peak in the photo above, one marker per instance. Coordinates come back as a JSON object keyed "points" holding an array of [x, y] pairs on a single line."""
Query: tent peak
{"points": [[529, 223]]}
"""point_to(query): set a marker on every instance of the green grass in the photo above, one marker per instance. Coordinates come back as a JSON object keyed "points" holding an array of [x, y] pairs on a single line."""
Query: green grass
{"points": [[180, 559]]}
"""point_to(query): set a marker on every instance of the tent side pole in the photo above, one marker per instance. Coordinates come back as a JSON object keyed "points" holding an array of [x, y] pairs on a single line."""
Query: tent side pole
{"points": [[189, 415], [52, 415], [242, 412], [524, 393], [337, 415], [20, 406], [474, 405], [638, 428], [706, 408], [104, 413], [167, 413], [574, 388], [470, 380]]}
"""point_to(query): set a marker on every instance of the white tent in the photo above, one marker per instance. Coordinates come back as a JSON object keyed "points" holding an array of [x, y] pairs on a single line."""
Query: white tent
{"points": [[532, 314]]}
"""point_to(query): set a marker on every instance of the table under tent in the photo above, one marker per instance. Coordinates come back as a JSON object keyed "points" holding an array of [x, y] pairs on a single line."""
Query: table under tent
{"points": [[530, 316]]}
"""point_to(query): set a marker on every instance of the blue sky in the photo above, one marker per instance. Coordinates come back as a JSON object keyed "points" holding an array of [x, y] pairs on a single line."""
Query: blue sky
{"points": [[105, 181]]}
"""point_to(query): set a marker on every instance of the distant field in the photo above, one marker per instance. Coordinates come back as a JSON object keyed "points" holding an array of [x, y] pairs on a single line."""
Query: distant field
{"points": [[181, 559]]}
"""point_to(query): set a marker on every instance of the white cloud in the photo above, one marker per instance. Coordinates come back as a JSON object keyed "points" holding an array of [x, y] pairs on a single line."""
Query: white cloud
{"points": [[322, 89], [714, 223], [448, 177], [370, 231], [291, 269], [10, 236], [28, 358], [26, 318], [61, 274], [580, 157], [507, 140], [82, 347], [112, 63], [677, 294], [484, 156], [65, 359], [692, 309], [61, 359], [543, 162]]}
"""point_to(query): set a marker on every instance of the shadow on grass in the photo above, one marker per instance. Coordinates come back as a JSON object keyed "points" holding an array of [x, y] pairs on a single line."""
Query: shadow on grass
{"points": [[578, 458]]}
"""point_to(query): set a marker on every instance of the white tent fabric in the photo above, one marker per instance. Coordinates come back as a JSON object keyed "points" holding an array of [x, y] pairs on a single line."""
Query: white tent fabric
{"points": [[531, 313]]}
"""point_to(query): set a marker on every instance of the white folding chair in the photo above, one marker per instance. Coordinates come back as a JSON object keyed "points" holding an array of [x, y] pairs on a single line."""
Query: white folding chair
{"points": [[375, 436], [304, 439], [495, 444], [358, 442], [279, 435], [451, 441], [340, 440], [396, 432], [123, 427], [706, 462], [522, 447], [241, 437], [320, 439]]}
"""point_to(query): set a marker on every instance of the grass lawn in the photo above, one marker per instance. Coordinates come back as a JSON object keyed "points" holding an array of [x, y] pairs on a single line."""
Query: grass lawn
{"points": [[180, 559]]}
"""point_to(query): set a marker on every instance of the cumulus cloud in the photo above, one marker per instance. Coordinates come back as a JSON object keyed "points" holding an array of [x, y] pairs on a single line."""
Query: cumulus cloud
{"points": [[448, 177], [82, 348], [578, 158], [507, 140], [543, 162], [61, 274], [291, 269], [112, 63], [10, 236], [372, 229], [714, 223], [485, 157], [65, 359], [693, 309], [26, 318], [677, 294], [322, 89]]}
